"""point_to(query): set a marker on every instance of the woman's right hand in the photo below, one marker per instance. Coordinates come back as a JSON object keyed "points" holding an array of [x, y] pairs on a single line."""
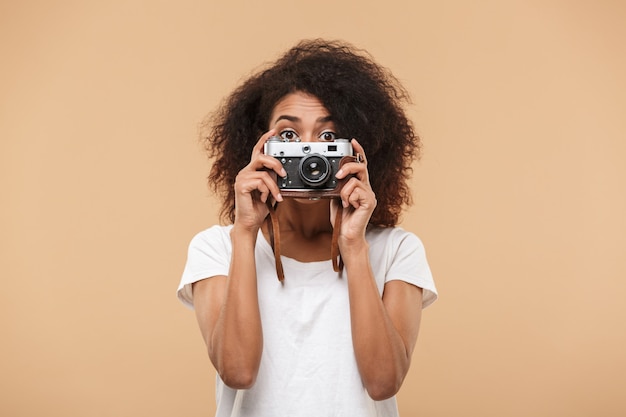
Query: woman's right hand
{"points": [[254, 184]]}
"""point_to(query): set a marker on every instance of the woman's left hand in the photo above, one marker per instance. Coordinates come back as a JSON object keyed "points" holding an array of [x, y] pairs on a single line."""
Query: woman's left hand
{"points": [[357, 198]]}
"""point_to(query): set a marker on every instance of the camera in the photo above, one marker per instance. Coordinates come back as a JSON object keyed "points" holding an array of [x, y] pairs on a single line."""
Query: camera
{"points": [[310, 166]]}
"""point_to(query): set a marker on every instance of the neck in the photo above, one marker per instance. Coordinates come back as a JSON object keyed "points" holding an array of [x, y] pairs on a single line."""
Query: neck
{"points": [[304, 217]]}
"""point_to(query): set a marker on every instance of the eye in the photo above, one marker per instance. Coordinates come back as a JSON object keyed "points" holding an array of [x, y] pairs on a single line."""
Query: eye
{"points": [[289, 135], [327, 136]]}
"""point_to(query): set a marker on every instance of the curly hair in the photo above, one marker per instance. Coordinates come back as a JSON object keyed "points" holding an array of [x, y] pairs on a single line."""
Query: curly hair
{"points": [[365, 100]]}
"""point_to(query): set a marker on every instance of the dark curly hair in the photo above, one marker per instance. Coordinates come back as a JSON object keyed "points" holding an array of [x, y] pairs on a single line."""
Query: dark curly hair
{"points": [[365, 101]]}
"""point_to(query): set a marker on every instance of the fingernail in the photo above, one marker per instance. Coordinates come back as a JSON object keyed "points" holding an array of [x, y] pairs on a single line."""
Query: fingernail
{"points": [[279, 197], [339, 173], [283, 173], [344, 203]]}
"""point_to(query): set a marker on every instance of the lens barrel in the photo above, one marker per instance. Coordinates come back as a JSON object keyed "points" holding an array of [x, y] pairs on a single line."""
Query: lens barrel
{"points": [[314, 170]]}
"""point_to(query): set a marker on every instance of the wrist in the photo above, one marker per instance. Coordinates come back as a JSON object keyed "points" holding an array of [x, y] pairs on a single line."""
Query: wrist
{"points": [[239, 232], [354, 250]]}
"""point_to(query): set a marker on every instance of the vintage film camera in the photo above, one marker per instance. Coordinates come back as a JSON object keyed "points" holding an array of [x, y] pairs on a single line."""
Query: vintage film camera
{"points": [[310, 166]]}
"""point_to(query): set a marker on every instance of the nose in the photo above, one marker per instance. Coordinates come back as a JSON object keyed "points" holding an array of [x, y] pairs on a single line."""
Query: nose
{"points": [[308, 137]]}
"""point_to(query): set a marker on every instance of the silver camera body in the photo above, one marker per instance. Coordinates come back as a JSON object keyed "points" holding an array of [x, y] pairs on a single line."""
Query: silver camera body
{"points": [[310, 166]]}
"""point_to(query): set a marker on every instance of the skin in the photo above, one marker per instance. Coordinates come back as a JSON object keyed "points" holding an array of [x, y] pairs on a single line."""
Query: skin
{"points": [[384, 330]]}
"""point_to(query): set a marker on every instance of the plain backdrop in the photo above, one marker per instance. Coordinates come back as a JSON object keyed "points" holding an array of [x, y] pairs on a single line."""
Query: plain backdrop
{"points": [[520, 197]]}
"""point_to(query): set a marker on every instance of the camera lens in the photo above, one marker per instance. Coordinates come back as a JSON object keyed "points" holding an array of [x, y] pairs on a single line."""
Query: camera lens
{"points": [[314, 170]]}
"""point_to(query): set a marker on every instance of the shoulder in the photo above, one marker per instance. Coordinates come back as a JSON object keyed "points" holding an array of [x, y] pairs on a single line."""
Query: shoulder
{"points": [[394, 243], [392, 236], [208, 255], [215, 238], [212, 235], [401, 256]]}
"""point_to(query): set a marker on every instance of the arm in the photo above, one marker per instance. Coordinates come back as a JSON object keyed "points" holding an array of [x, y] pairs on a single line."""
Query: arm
{"points": [[227, 307], [227, 311], [384, 330]]}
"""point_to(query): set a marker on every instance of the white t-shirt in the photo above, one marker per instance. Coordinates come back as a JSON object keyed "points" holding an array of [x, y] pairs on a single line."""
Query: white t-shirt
{"points": [[308, 367]]}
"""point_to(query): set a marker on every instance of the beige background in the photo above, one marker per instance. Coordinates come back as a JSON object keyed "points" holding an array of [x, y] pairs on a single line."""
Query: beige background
{"points": [[520, 196]]}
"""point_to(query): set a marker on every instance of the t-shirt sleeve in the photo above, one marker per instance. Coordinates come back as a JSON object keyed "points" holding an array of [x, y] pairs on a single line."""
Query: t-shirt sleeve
{"points": [[208, 256], [409, 264]]}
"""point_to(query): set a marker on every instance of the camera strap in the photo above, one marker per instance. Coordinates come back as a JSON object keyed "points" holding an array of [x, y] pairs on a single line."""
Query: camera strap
{"points": [[274, 232]]}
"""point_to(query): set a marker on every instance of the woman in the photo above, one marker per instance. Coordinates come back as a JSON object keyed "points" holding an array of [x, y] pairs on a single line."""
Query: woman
{"points": [[321, 342]]}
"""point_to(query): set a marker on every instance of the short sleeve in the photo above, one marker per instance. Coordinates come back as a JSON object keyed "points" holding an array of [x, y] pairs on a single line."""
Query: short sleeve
{"points": [[409, 264], [208, 255]]}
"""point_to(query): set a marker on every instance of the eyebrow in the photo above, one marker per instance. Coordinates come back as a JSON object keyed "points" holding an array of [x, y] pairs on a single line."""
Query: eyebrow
{"points": [[295, 119]]}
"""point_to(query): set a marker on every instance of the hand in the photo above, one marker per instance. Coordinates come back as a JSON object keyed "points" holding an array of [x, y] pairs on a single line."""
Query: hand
{"points": [[357, 198], [254, 184]]}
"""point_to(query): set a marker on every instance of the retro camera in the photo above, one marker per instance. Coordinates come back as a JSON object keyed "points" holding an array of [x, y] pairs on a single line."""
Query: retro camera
{"points": [[310, 166]]}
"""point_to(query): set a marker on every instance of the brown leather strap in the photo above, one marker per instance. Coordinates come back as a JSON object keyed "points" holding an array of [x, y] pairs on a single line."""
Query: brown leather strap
{"points": [[334, 247], [274, 232]]}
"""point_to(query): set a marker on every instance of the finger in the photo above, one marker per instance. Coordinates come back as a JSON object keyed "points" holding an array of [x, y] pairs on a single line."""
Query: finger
{"points": [[264, 193], [358, 168], [347, 191], [261, 181], [354, 168], [260, 161], [358, 150], [267, 162], [355, 199], [258, 147], [261, 189], [355, 189]]}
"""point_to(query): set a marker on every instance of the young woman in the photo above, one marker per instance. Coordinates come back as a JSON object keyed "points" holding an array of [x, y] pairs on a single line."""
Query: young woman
{"points": [[319, 342]]}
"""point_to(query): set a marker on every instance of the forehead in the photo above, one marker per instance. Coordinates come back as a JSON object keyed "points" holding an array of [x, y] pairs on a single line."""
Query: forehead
{"points": [[300, 105]]}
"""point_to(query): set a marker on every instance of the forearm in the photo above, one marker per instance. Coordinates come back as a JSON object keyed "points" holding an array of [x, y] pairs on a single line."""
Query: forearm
{"points": [[381, 354], [237, 341]]}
